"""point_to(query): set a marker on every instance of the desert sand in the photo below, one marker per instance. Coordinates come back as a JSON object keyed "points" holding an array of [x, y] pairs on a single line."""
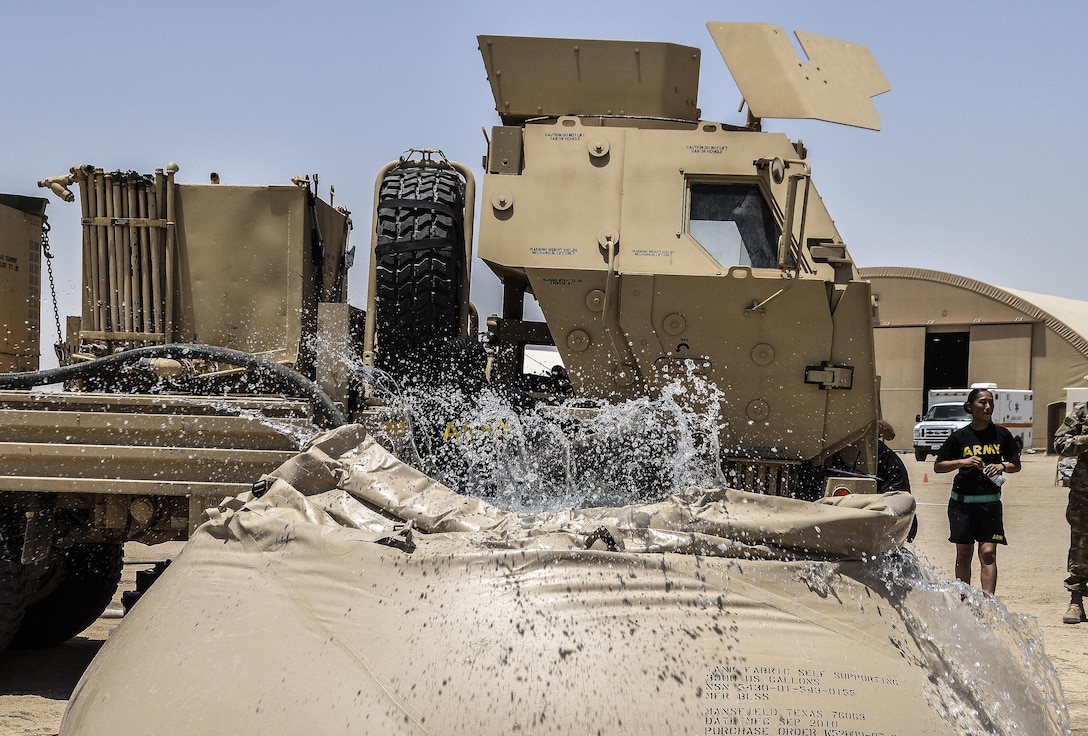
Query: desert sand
{"points": [[35, 685]]}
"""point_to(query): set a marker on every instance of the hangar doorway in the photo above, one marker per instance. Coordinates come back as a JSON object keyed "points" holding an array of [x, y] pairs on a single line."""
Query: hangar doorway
{"points": [[946, 362]]}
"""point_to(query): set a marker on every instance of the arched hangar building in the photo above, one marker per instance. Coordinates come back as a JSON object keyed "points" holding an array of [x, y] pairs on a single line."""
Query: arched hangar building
{"points": [[940, 330]]}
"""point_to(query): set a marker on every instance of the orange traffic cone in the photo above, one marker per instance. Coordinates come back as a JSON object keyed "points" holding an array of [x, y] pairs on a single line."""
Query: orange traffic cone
{"points": [[925, 477]]}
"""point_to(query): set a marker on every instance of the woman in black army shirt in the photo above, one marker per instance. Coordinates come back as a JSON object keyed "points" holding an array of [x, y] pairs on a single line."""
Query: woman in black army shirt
{"points": [[982, 452]]}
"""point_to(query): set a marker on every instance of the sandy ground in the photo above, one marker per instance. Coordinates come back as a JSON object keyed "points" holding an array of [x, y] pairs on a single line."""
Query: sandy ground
{"points": [[34, 686]]}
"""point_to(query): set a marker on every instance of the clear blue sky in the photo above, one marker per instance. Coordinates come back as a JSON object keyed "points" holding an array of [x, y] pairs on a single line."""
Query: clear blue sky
{"points": [[975, 172]]}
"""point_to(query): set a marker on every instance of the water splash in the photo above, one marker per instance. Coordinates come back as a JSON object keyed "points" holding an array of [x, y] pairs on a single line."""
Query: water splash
{"points": [[572, 454], [968, 641], [298, 430]]}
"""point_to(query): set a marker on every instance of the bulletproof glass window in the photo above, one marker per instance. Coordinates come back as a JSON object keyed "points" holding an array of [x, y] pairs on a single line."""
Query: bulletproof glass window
{"points": [[734, 224]]}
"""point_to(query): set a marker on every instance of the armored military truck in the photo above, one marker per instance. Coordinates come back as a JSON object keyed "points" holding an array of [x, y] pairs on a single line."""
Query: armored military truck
{"points": [[659, 246], [209, 311]]}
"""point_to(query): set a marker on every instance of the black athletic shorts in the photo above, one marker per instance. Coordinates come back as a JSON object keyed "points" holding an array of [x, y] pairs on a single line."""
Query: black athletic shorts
{"points": [[976, 522]]}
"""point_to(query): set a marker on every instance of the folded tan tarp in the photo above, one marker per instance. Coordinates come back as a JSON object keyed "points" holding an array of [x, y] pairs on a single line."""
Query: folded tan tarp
{"points": [[359, 596]]}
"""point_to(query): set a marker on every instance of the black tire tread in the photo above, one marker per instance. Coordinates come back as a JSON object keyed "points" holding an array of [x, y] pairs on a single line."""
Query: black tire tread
{"points": [[418, 289], [12, 593], [88, 580]]}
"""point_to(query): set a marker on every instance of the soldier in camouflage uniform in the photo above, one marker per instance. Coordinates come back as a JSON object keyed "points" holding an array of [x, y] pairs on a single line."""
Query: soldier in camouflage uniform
{"points": [[1071, 440]]}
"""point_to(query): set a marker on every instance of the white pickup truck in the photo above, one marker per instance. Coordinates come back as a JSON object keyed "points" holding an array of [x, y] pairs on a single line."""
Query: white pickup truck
{"points": [[934, 427]]}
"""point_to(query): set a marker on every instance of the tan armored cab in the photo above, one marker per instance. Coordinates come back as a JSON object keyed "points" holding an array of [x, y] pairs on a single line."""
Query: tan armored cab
{"points": [[658, 244]]}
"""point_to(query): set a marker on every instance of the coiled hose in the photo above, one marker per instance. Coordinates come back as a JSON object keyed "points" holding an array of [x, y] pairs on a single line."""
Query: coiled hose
{"points": [[320, 400]]}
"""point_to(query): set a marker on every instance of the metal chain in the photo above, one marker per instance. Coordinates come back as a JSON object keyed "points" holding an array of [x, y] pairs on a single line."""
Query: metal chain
{"points": [[59, 345]]}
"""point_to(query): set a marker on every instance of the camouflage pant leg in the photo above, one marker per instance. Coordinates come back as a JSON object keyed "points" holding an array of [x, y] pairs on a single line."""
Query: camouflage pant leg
{"points": [[1077, 516]]}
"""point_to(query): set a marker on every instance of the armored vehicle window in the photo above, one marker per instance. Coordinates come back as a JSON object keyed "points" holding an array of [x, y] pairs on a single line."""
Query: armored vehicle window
{"points": [[733, 223]]}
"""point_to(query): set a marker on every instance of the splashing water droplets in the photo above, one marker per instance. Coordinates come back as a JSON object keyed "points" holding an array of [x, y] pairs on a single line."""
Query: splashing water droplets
{"points": [[574, 454]]}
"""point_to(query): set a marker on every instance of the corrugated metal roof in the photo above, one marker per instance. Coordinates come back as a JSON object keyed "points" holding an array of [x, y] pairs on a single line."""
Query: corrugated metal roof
{"points": [[1067, 318]]}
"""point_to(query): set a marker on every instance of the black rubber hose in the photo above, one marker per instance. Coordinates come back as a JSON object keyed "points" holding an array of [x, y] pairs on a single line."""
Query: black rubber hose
{"points": [[321, 401]]}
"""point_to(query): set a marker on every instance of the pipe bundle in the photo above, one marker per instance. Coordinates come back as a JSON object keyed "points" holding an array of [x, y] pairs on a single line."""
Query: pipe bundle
{"points": [[129, 240]]}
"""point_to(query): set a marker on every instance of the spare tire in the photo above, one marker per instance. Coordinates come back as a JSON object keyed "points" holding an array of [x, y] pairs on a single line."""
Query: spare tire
{"points": [[80, 587], [419, 261]]}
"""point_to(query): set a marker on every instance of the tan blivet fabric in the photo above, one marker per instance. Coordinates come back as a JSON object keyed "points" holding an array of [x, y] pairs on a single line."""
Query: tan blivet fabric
{"points": [[382, 601]]}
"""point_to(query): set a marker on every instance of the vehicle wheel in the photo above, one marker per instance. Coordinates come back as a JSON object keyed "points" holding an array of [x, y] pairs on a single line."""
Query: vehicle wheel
{"points": [[913, 529], [12, 592], [890, 470], [920, 455], [75, 592], [419, 257]]}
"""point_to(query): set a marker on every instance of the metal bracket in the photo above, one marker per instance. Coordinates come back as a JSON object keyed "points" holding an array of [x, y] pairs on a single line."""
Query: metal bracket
{"points": [[38, 538], [829, 376]]}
